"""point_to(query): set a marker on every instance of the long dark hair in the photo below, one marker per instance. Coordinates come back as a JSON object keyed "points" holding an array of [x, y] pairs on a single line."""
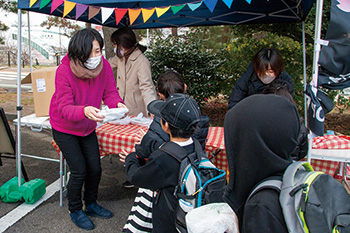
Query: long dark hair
{"points": [[126, 37], [80, 45]]}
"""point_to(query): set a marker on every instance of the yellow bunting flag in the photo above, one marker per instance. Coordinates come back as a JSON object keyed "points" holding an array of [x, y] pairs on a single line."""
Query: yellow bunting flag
{"points": [[161, 11], [133, 14], [32, 2], [147, 13], [68, 7]]}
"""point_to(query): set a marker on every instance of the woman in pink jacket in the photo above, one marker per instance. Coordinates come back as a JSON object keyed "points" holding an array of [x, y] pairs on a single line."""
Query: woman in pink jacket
{"points": [[83, 79]]}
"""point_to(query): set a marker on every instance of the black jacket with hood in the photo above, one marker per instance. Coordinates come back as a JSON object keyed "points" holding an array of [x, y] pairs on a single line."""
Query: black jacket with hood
{"points": [[249, 84], [261, 131]]}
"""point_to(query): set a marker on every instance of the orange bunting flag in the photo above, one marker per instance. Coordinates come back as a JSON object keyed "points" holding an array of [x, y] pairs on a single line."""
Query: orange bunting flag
{"points": [[119, 14], [32, 2], [68, 7], [147, 13], [161, 11], [93, 11], [133, 14]]}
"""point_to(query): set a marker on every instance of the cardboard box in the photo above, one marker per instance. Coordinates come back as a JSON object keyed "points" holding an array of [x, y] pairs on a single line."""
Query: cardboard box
{"points": [[43, 84]]}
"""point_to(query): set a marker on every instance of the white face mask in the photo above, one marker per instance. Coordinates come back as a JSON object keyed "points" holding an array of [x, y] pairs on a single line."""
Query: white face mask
{"points": [[267, 79], [115, 50], [122, 51], [93, 62]]}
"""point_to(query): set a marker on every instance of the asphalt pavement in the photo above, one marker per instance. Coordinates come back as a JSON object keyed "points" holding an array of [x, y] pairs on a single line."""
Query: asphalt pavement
{"points": [[49, 216]]}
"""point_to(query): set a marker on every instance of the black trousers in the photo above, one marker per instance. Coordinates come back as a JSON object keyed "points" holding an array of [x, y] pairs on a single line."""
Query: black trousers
{"points": [[83, 157]]}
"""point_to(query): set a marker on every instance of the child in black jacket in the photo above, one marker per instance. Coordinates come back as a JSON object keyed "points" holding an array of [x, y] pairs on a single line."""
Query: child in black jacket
{"points": [[179, 115]]}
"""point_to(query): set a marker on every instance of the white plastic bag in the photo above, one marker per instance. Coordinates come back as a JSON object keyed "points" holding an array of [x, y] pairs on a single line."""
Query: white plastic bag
{"points": [[123, 121], [112, 114], [212, 218], [140, 120]]}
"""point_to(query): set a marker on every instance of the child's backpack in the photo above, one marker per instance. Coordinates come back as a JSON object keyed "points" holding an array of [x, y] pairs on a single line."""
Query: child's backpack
{"points": [[199, 182], [311, 201]]}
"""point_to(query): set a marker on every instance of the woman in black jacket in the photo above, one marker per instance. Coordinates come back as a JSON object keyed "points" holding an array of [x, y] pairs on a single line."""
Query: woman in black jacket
{"points": [[267, 66]]}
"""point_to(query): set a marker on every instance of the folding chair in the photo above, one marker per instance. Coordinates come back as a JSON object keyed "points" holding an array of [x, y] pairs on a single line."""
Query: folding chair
{"points": [[7, 142]]}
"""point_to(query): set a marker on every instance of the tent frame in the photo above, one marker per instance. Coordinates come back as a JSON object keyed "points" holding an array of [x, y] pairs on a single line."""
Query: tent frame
{"points": [[319, 8]]}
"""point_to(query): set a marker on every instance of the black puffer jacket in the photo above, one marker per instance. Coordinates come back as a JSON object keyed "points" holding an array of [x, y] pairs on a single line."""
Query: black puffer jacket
{"points": [[249, 84], [155, 137]]}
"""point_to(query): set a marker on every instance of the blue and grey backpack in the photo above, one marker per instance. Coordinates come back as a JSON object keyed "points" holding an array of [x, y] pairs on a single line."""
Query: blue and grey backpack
{"points": [[199, 181], [311, 201]]}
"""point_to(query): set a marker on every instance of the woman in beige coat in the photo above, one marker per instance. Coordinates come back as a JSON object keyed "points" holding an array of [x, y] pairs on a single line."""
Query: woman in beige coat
{"points": [[132, 72]]}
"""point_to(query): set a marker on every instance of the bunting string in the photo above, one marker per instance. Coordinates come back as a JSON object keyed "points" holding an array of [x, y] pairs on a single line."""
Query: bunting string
{"points": [[119, 13]]}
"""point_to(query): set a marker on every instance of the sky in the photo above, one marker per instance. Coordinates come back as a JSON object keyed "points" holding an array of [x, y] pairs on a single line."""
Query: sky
{"points": [[11, 18]]}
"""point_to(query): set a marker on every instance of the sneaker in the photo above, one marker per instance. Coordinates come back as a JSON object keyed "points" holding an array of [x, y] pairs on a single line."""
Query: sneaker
{"points": [[128, 185], [81, 220], [96, 210]]}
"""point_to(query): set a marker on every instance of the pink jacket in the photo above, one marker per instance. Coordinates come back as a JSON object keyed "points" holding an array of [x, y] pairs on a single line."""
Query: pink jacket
{"points": [[72, 94]]}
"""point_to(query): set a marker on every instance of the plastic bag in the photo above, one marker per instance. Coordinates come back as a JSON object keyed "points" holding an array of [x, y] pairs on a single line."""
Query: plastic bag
{"points": [[212, 218], [141, 121], [123, 121], [112, 114]]}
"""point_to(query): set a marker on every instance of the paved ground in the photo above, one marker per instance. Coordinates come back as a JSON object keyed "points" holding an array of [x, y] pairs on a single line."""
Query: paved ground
{"points": [[49, 216]]}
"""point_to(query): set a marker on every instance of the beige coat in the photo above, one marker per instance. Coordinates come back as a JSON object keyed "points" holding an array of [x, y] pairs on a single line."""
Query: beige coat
{"points": [[134, 81]]}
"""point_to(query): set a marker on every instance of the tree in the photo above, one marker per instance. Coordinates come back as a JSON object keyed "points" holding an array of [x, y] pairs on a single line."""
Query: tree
{"points": [[7, 6], [68, 27]]}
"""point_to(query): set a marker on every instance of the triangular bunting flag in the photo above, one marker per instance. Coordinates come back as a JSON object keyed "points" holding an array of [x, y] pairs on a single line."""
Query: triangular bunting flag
{"points": [[161, 11], [228, 3], [176, 9], [106, 13], [79, 10], [43, 3], [194, 6], [119, 14], [147, 13], [93, 11], [32, 2], [133, 14], [210, 4], [248, 1], [55, 4], [68, 7]]}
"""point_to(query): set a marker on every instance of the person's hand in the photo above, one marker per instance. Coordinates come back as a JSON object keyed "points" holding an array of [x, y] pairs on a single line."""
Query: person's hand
{"points": [[139, 136], [91, 113], [124, 154], [121, 105], [151, 115]]}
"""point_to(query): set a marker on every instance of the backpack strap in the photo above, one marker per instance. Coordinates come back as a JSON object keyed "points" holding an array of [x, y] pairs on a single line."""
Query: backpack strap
{"points": [[289, 174], [174, 150], [272, 184], [179, 153]]}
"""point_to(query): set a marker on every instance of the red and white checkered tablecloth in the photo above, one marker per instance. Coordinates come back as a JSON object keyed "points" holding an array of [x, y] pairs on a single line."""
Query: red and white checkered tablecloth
{"points": [[329, 142], [216, 142], [115, 138]]}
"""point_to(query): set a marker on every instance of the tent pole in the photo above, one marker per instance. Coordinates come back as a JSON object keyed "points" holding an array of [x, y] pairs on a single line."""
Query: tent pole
{"points": [[317, 46], [30, 45], [304, 73], [19, 108]]}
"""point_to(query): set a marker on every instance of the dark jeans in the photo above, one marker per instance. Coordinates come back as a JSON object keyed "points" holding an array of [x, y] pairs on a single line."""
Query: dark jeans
{"points": [[83, 158]]}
